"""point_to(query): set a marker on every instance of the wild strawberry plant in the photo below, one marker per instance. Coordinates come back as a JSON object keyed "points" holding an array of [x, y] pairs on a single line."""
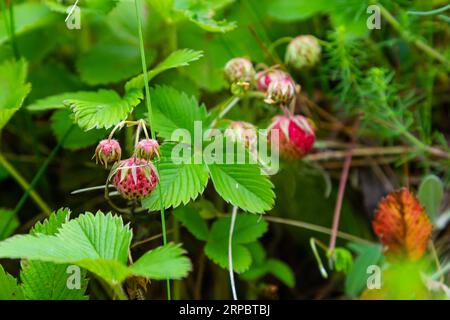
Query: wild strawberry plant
{"points": [[243, 144]]}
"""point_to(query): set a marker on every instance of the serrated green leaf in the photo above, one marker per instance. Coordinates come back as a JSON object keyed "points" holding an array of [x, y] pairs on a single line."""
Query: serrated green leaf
{"points": [[248, 228], [243, 185], [430, 195], [9, 289], [48, 281], [191, 219], [8, 223], [175, 110], [162, 263], [77, 138], [57, 101], [176, 59], [13, 87], [104, 108], [98, 243], [51, 225], [179, 183], [92, 242]]}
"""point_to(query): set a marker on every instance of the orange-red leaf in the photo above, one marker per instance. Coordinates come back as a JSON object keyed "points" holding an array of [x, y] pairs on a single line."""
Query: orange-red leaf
{"points": [[402, 225]]}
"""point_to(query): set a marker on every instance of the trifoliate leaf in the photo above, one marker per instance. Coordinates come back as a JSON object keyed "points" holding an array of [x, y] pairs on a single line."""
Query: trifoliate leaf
{"points": [[9, 289], [179, 182], [104, 108], [13, 87], [77, 138], [98, 243], [402, 225], [176, 59]]}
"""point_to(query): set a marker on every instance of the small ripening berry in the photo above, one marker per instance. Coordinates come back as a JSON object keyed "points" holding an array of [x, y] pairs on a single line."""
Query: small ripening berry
{"points": [[135, 178], [296, 135], [147, 149], [265, 77], [281, 91], [303, 52], [239, 70], [243, 132], [107, 151]]}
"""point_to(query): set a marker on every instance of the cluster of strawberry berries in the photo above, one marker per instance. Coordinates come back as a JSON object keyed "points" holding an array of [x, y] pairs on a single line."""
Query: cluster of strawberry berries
{"points": [[135, 177], [296, 133]]}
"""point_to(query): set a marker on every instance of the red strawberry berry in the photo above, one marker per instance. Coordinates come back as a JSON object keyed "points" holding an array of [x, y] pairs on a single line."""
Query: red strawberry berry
{"points": [[135, 178], [107, 151], [296, 135], [147, 149]]}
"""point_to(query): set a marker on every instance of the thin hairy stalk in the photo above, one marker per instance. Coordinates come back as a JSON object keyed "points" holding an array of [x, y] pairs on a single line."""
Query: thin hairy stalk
{"points": [[150, 117], [102, 187], [316, 228], [341, 191], [360, 152], [24, 184], [230, 103], [141, 242], [431, 12], [230, 252], [405, 34], [279, 41]]}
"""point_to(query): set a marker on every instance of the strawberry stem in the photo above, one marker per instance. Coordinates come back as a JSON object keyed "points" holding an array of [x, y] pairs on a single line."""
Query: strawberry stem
{"points": [[150, 117]]}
